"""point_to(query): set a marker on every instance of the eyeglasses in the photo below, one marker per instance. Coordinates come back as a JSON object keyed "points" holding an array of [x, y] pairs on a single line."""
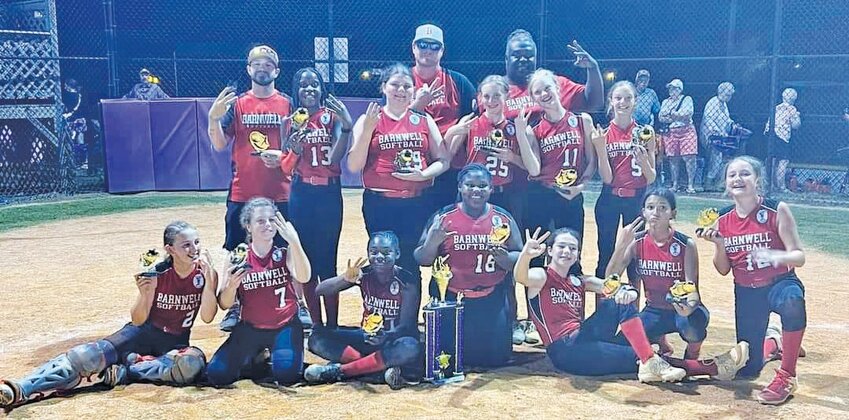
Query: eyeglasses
{"points": [[424, 45]]}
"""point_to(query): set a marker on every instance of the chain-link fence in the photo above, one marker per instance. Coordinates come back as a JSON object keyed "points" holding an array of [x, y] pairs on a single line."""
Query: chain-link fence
{"points": [[761, 47]]}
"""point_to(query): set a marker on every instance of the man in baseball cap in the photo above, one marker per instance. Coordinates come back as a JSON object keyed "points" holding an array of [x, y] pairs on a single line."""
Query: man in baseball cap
{"points": [[446, 95], [239, 119], [263, 51], [647, 104], [429, 32]]}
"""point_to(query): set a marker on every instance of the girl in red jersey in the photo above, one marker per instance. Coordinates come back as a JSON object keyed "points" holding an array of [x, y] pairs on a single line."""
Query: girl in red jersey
{"points": [[162, 316], [315, 204], [756, 239], [388, 291], [265, 288], [481, 242], [491, 139], [626, 168], [564, 158], [662, 257], [399, 152], [584, 347]]}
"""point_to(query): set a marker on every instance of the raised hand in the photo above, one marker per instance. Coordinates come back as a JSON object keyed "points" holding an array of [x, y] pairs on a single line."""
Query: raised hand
{"points": [[521, 119], [628, 233], [285, 229], [354, 272], [583, 59], [222, 103], [372, 116], [535, 243], [438, 231], [599, 137], [339, 108]]}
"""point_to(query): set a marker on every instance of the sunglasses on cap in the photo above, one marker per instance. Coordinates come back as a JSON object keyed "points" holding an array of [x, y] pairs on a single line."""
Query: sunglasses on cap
{"points": [[424, 45]]}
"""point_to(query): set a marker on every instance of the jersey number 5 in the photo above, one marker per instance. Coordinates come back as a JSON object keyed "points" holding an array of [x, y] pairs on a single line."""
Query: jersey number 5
{"points": [[636, 169]]}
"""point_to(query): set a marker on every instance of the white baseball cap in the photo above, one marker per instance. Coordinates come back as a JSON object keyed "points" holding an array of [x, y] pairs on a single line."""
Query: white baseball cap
{"points": [[429, 32], [675, 83]]}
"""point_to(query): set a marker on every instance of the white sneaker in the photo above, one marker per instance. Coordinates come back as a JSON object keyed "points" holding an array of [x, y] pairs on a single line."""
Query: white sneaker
{"points": [[393, 378], [518, 334], [531, 335], [728, 363], [659, 370]]}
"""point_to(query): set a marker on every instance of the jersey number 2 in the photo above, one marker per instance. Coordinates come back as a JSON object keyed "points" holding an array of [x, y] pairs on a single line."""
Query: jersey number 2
{"points": [[496, 167]]}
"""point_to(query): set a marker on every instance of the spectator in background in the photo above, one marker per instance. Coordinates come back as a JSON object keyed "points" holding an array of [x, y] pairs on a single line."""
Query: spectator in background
{"points": [[647, 104], [147, 89], [786, 119], [716, 121], [678, 133]]}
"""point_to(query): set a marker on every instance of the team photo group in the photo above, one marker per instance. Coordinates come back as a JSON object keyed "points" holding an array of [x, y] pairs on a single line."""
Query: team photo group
{"points": [[484, 186]]}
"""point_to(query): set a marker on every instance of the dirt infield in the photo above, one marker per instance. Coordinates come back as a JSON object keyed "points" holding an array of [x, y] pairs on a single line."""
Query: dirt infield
{"points": [[70, 282]]}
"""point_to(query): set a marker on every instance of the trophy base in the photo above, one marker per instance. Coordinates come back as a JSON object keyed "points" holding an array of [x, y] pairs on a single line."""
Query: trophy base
{"points": [[457, 377], [443, 342]]}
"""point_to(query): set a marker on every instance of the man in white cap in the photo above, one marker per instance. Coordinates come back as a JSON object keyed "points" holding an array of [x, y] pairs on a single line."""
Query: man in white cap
{"points": [[253, 121], [716, 121], [680, 141], [446, 95]]}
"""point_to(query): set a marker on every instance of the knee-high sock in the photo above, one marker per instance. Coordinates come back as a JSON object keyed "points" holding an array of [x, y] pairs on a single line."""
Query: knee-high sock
{"points": [[349, 354], [636, 335], [791, 342], [369, 364]]}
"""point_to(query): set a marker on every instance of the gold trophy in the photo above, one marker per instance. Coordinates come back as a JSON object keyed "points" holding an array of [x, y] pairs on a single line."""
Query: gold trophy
{"points": [[500, 232], [566, 177], [642, 135], [148, 261], [679, 291], [373, 324], [706, 219], [300, 118], [239, 257], [612, 284], [442, 275], [496, 139], [404, 160]]}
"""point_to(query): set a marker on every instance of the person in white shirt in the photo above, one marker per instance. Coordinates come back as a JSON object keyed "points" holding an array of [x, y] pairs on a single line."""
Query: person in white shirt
{"points": [[786, 119], [679, 134], [716, 121]]}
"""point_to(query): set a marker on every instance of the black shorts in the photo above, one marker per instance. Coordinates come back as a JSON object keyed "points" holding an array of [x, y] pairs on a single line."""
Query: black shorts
{"points": [[780, 149]]}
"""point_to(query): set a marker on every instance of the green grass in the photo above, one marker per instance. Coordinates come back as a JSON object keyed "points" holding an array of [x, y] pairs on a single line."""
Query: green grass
{"points": [[14, 217], [821, 228]]}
